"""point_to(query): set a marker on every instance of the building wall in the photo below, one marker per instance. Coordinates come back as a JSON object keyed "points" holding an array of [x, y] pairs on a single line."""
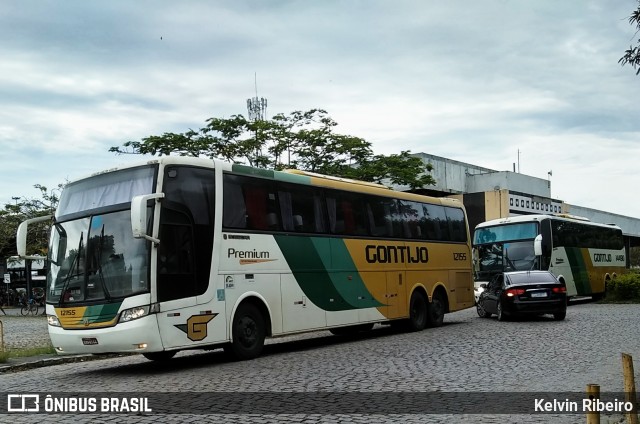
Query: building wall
{"points": [[490, 194]]}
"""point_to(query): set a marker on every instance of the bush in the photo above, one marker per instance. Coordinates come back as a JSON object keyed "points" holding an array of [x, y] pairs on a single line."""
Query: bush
{"points": [[624, 288]]}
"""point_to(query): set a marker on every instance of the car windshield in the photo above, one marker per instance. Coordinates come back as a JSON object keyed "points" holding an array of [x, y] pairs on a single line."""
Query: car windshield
{"points": [[531, 278]]}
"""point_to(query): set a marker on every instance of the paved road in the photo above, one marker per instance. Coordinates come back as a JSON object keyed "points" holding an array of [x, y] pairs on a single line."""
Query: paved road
{"points": [[468, 354]]}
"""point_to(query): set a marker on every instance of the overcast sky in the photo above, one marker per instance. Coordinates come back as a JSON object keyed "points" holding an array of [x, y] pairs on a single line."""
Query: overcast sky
{"points": [[471, 80]]}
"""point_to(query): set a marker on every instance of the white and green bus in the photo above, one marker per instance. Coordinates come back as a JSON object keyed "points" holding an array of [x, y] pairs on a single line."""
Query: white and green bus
{"points": [[584, 255], [183, 253]]}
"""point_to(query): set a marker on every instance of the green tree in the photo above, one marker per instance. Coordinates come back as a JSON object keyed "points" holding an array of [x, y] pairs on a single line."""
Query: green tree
{"points": [[632, 55], [302, 140], [24, 208]]}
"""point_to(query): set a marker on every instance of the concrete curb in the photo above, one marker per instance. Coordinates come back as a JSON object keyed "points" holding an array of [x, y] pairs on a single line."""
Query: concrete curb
{"points": [[39, 361]]}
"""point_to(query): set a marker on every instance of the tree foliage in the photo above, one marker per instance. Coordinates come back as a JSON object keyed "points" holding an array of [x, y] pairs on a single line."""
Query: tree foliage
{"points": [[24, 208], [301, 140], [632, 55]]}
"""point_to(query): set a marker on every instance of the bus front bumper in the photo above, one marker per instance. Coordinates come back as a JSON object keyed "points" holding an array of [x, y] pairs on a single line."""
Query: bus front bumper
{"points": [[137, 336]]}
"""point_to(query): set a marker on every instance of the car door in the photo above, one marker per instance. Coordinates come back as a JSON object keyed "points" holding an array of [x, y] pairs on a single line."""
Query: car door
{"points": [[492, 294]]}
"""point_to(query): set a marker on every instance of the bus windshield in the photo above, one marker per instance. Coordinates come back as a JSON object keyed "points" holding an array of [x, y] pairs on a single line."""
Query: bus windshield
{"points": [[94, 256], [506, 247], [515, 256], [528, 230]]}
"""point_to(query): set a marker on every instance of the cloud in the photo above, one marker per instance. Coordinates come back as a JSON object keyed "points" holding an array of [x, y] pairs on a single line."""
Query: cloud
{"points": [[471, 81]]}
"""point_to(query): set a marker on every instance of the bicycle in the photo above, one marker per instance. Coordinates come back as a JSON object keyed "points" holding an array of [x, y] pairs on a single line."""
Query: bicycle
{"points": [[30, 308]]}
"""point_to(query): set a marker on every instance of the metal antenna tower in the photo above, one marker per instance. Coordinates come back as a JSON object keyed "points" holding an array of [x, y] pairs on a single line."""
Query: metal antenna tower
{"points": [[257, 107]]}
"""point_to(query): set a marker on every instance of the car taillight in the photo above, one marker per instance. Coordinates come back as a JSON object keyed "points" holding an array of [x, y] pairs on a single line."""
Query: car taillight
{"points": [[559, 289], [514, 292]]}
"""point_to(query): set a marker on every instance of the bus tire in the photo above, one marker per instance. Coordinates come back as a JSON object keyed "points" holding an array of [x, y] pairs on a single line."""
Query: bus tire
{"points": [[248, 332], [436, 310], [165, 355], [417, 312]]}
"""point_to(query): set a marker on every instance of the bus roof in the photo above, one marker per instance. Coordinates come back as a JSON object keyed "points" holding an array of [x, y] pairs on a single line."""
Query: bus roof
{"points": [[291, 175], [540, 217]]}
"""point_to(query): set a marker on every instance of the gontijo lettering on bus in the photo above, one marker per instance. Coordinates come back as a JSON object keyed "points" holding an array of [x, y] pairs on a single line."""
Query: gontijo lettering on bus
{"points": [[396, 254]]}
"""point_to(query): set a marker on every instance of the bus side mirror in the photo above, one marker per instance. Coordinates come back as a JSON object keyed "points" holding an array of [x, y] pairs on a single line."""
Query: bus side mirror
{"points": [[21, 236], [537, 245], [139, 215]]}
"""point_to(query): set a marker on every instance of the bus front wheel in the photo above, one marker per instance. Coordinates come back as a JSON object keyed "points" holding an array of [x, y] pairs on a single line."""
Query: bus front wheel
{"points": [[248, 332], [417, 312]]}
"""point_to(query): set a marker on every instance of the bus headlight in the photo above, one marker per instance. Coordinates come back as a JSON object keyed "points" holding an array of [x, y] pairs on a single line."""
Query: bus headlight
{"points": [[53, 321], [134, 313]]}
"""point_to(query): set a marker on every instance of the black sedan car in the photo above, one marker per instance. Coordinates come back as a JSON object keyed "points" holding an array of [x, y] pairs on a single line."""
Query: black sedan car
{"points": [[523, 292]]}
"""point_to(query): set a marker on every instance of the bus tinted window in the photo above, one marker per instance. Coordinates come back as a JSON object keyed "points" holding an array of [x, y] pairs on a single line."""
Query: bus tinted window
{"points": [[301, 208], [383, 217], [457, 226], [435, 223], [412, 216], [528, 230], [577, 234], [249, 203], [259, 204], [346, 213]]}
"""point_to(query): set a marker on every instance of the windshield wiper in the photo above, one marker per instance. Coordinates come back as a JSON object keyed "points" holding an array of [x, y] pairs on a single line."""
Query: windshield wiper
{"points": [[75, 262], [107, 295]]}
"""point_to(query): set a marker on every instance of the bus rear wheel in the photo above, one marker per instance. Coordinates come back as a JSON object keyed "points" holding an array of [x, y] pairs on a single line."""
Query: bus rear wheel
{"points": [[248, 332], [436, 310]]}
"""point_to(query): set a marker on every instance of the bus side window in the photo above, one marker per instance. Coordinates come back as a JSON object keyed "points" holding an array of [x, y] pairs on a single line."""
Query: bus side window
{"points": [[457, 226], [234, 211], [301, 209]]}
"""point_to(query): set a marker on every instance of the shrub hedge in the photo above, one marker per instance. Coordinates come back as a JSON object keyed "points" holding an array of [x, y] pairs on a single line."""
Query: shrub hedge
{"points": [[624, 288]]}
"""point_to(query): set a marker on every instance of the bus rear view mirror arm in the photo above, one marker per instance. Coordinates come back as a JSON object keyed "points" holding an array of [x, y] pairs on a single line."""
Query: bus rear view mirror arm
{"points": [[139, 215]]}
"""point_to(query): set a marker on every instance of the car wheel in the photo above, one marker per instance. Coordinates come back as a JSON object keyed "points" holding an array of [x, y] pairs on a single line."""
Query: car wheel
{"points": [[559, 316], [482, 313], [248, 332], [501, 315]]}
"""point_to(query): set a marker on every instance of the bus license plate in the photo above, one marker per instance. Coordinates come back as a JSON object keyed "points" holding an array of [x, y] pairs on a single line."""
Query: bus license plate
{"points": [[539, 294], [89, 341]]}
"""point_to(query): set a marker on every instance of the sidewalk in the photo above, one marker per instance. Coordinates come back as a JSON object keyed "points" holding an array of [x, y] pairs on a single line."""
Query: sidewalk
{"points": [[22, 332]]}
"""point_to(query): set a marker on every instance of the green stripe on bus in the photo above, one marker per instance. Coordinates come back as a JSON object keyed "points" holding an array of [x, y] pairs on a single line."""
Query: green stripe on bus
{"points": [[331, 291], [578, 270], [247, 170], [293, 178], [101, 313]]}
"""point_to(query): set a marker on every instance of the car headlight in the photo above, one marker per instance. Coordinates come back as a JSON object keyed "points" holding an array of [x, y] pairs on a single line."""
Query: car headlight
{"points": [[53, 321]]}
